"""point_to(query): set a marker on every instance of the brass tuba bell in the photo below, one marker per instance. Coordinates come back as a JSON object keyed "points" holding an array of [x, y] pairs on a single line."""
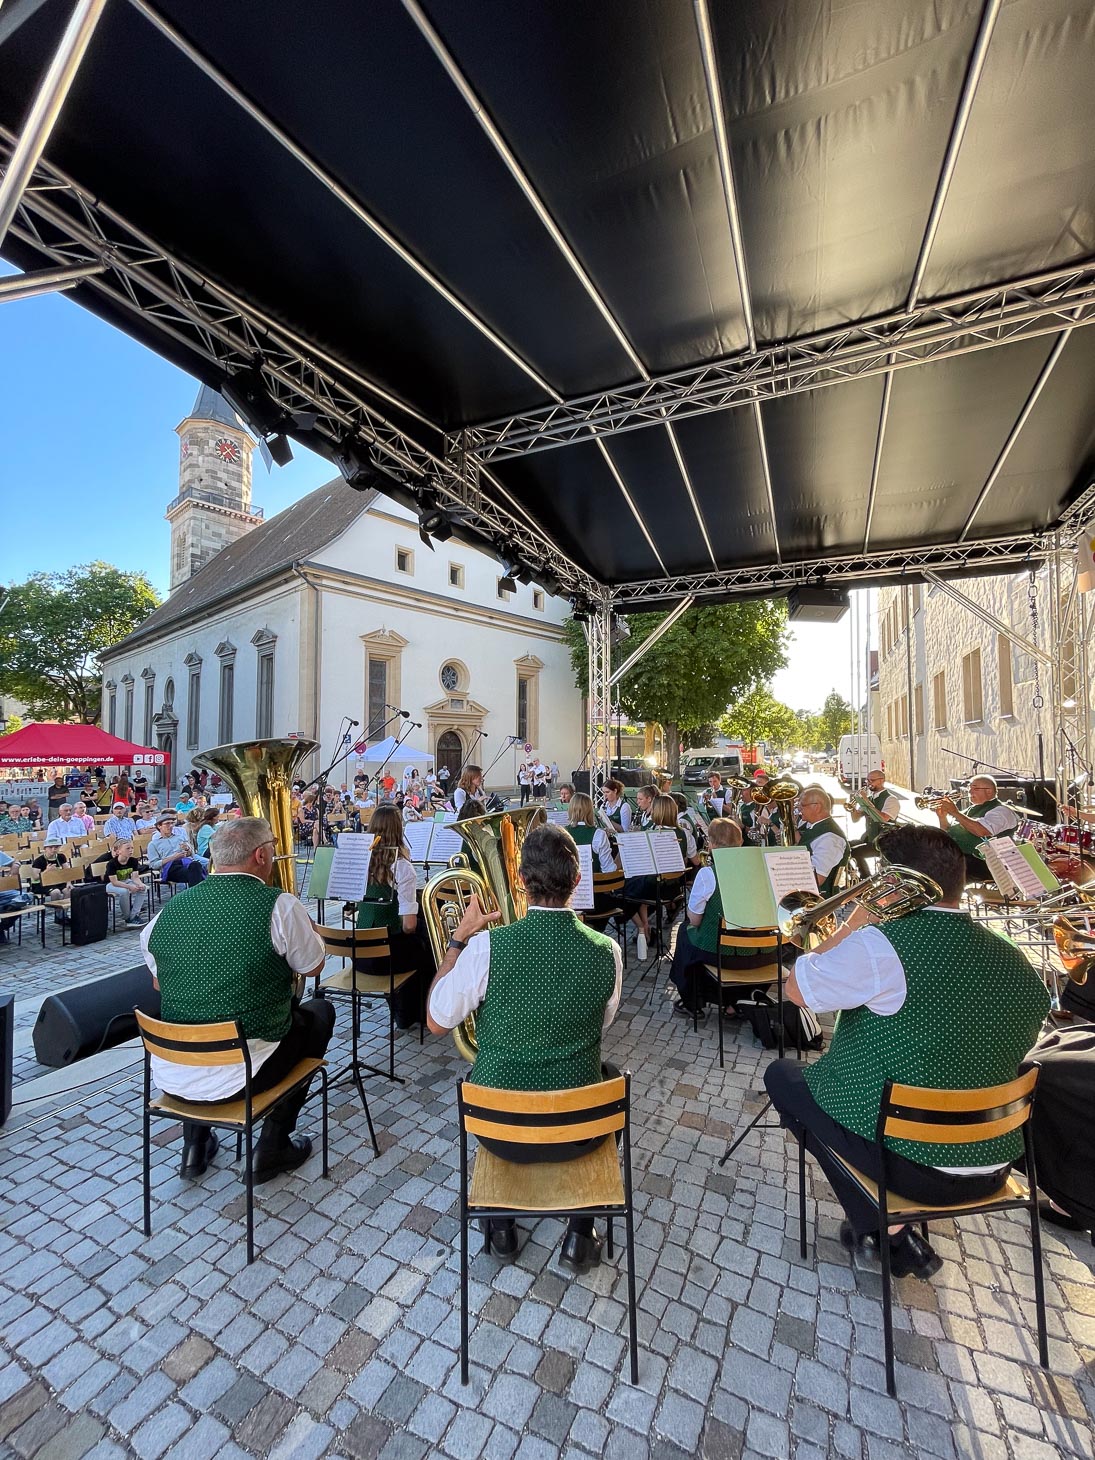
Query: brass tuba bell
{"points": [[1075, 941], [259, 773], [496, 842]]}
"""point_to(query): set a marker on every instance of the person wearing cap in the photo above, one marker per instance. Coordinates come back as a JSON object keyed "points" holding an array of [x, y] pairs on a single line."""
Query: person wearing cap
{"points": [[64, 826], [171, 855], [145, 819], [49, 859], [120, 827]]}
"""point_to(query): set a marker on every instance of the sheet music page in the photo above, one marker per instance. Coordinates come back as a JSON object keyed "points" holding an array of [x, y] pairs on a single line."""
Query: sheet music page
{"points": [[582, 898], [558, 818], [668, 856], [636, 854], [349, 873], [1019, 871], [789, 870], [446, 843], [417, 835]]}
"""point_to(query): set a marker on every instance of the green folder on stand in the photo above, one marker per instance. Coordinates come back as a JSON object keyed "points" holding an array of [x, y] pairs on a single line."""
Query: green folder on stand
{"points": [[748, 878], [321, 871]]}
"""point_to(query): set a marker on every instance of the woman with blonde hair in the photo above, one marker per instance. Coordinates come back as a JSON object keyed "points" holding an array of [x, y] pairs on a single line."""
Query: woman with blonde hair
{"points": [[582, 825], [640, 892], [470, 787], [391, 901]]}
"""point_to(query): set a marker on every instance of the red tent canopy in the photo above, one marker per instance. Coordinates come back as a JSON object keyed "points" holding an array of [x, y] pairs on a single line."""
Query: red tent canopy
{"points": [[63, 745]]}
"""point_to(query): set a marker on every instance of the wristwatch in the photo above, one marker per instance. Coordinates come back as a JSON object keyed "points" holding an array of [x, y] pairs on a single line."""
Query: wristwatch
{"points": [[456, 943]]}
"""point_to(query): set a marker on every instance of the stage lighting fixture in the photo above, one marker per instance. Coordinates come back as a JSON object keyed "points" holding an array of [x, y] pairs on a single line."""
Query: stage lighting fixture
{"points": [[248, 395], [579, 609], [432, 522], [353, 468], [550, 584], [507, 583], [280, 449]]}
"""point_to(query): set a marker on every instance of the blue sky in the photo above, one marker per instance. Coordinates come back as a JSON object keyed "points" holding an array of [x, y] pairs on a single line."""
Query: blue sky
{"points": [[89, 460], [88, 451]]}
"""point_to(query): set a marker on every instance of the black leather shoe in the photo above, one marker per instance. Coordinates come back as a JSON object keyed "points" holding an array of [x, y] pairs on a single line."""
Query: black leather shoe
{"points": [[288, 1158], [197, 1155], [504, 1241], [579, 1253], [1058, 1218], [911, 1256]]}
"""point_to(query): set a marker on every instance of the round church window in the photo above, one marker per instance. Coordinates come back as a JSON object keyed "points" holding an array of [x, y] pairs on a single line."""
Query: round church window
{"points": [[450, 677]]}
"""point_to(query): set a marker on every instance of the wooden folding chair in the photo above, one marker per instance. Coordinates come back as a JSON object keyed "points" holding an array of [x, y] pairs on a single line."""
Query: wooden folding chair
{"points": [[595, 1184], [608, 885], [733, 945], [941, 1117], [216, 1044]]}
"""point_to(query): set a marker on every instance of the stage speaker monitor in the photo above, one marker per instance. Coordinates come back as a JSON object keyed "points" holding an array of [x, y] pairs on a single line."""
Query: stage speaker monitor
{"points": [[89, 913], [95, 1016], [817, 605], [7, 1052]]}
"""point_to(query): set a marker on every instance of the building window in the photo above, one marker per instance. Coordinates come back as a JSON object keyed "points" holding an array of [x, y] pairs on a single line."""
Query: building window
{"points": [[504, 593], [903, 710], [538, 599], [376, 713], [404, 561], [450, 677], [1003, 658], [972, 710], [939, 700], [456, 575], [264, 715], [127, 711], [112, 710], [527, 720], [522, 710], [918, 709], [193, 708], [228, 694], [149, 708]]}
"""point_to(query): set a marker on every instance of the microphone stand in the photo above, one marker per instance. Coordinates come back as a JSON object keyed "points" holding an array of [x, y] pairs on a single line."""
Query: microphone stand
{"points": [[464, 759], [510, 740], [321, 782], [407, 728]]}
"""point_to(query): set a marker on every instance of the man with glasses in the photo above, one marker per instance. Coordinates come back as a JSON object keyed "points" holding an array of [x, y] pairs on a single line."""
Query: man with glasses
{"points": [[887, 808], [237, 947], [984, 817]]}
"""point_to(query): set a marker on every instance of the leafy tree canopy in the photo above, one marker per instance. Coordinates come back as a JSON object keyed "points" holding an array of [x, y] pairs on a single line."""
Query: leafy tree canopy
{"points": [[835, 718], [760, 716], [711, 656], [54, 629]]}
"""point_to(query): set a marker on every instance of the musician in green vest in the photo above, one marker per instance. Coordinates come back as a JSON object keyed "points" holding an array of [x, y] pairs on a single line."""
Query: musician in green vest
{"points": [[391, 901], [542, 990], [236, 947], [933, 999], [819, 832], [985, 816], [884, 811]]}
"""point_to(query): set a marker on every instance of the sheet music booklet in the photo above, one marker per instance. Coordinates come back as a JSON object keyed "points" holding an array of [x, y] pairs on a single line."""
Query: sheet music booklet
{"points": [[646, 853], [582, 898], [432, 841], [753, 880], [1017, 869], [349, 874]]}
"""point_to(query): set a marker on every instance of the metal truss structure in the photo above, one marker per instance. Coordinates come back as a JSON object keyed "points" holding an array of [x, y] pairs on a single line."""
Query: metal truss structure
{"points": [[1039, 305], [599, 699]]}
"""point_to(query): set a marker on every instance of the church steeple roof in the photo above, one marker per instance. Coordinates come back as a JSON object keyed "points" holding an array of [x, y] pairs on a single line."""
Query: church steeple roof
{"points": [[212, 406]]}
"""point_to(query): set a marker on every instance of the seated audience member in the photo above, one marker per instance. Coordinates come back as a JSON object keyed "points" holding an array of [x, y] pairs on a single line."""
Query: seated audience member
{"points": [[818, 831], [543, 990], [63, 826], [124, 885], [933, 998], [7, 820], [204, 834], [20, 821], [239, 948], [392, 903], [120, 827], [185, 803], [984, 817], [145, 819], [49, 859], [698, 937], [81, 813], [171, 855]]}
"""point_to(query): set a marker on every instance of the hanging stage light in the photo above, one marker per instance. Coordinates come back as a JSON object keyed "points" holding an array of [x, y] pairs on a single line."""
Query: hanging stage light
{"points": [[355, 471], [280, 449], [432, 522], [248, 394]]}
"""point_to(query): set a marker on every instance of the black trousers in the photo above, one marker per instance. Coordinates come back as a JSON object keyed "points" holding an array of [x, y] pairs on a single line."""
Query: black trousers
{"points": [[191, 875], [411, 954], [785, 1081], [313, 1023], [686, 957], [528, 1155]]}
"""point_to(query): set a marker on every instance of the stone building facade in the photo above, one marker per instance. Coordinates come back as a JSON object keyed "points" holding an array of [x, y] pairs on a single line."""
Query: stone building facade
{"points": [[954, 689]]}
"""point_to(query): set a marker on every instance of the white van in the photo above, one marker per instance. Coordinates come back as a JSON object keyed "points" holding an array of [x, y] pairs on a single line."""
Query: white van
{"points": [[698, 764], [856, 755]]}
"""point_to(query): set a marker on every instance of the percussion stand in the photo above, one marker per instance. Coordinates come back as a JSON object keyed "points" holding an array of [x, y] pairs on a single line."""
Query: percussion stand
{"points": [[780, 1047]]}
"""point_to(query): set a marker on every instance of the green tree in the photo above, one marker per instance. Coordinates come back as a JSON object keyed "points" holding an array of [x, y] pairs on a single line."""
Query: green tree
{"points": [[13, 723], [760, 716], [835, 718], [54, 629], [712, 655]]}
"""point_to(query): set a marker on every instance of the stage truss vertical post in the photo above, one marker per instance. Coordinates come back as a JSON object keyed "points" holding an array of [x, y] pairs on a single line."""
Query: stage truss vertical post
{"points": [[1070, 621], [46, 108], [599, 701]]}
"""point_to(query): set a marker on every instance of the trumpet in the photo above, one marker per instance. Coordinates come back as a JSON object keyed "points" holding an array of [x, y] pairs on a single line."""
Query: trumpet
{"points": [[930, 801], [893, 892]]}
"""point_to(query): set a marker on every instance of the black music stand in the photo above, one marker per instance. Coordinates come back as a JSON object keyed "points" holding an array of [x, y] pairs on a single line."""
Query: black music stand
{"points": [[780, 1051]]}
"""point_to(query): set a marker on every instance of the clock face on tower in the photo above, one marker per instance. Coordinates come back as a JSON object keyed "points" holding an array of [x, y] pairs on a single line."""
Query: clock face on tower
{"points": [[227, 451]]}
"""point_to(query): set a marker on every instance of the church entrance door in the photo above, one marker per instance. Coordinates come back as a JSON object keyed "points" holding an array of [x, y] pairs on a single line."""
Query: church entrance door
{"points": [[450, 753]]}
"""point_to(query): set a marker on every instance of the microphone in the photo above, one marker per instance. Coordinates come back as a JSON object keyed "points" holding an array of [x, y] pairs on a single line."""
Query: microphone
{"points": [[355, 722], [405, 713]]}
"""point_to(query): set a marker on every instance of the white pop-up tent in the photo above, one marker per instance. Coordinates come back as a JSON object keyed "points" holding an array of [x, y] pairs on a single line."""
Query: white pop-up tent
{"points": [[387, 750]]}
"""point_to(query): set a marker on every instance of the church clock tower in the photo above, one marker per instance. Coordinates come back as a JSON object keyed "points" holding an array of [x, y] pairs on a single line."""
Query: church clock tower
{"points": [[213, 506]]}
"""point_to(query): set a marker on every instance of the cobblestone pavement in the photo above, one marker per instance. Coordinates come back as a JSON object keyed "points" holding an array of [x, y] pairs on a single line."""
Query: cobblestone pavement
{"points": [[341, 1339]]}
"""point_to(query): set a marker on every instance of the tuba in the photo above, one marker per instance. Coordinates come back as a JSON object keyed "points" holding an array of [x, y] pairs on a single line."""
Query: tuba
{"points": [[891, 893], [259, 773], [496, 841]]}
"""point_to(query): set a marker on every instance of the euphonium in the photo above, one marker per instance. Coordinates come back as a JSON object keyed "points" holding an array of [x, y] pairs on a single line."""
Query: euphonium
{"points": [[891, 893], [1075, 944], [259, 773], [496, 841]]}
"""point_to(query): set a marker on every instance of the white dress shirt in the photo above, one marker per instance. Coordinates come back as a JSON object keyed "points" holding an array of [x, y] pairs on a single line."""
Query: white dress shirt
{"points": [[825, 852], [293, 936], [1000, 820], [63, 829], [625, 812], [464, 987], [703, 887], [602, 849]]}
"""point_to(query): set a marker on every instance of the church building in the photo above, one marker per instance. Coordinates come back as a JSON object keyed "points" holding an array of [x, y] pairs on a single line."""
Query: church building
{"points": [[334, 610]]}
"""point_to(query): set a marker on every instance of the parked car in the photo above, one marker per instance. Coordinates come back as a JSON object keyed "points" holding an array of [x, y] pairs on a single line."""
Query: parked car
{"points": [[698, 765]]}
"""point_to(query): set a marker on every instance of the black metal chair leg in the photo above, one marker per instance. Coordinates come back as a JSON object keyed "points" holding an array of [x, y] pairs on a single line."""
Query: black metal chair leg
{"points": [[249, 1176], [802, 1199], [632, 1304], [887, 1302], [1039, 1279], [147, 1131], [326, 1166], [464, 1296]]}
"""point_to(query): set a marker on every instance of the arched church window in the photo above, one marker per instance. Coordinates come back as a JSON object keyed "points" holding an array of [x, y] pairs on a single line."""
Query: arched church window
{"points": [[168, 694]]}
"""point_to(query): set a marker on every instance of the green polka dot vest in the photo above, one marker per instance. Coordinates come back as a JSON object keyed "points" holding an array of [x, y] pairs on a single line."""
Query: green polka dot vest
{"points": [[539, 1027], [215, 960], [381, 909], [973, 1009], [808, 834]]}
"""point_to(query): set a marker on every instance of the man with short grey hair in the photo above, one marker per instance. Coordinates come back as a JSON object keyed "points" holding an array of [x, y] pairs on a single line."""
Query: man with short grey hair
{"points": [[818, 831], [239, 948]]}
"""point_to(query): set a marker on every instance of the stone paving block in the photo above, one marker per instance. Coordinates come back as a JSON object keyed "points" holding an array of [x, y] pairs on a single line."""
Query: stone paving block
{"points": [[161, 1430], [467, 1436], [78, 1438], [432, 1418]]}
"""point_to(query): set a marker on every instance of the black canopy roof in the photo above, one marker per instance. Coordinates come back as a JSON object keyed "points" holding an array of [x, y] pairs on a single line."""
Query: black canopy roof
{"points": [[690, 282]]}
